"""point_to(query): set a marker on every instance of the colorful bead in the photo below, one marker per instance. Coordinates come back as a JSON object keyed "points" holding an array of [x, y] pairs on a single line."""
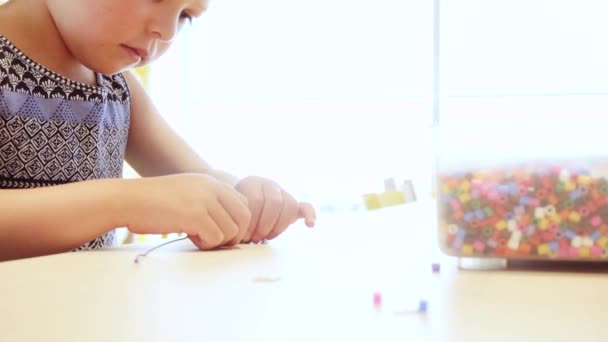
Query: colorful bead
{"points": [[377, 300], [549, 212], [479, 246], [422, 306]]}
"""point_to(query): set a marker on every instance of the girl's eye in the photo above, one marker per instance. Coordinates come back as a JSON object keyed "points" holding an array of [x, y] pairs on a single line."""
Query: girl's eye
{"points": [[185, 17]]}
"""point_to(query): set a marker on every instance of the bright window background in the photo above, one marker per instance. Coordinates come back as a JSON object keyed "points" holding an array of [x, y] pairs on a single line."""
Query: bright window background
{"points": [[326, 97], [330, 97], [524, 60]]}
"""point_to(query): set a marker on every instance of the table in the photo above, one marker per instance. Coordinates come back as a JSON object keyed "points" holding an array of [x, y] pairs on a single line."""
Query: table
{"points": [[324, 283]]}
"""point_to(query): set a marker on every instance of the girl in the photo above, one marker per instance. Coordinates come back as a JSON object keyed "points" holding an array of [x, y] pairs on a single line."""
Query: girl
{"points": [[70, 113]]}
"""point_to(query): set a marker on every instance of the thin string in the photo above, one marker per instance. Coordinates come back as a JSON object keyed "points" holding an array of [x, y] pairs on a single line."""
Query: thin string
{"points": [[159, 246]]}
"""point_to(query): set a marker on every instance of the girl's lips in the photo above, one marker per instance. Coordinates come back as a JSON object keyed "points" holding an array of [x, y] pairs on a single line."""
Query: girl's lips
{"points": [[135, 52]]}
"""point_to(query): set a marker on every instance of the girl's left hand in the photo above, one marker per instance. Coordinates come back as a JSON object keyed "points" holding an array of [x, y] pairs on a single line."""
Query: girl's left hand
{"points": [[272, 209]]}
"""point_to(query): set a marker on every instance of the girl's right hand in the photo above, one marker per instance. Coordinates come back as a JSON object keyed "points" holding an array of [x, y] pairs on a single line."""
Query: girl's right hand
{"points": [[210, 212]]}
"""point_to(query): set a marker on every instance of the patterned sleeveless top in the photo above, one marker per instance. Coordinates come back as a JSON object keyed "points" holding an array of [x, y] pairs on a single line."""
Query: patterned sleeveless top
{"points": [[55, 131]]}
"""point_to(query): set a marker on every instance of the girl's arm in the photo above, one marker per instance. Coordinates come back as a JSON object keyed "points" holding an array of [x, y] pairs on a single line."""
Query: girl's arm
{"points": [[59, 218], [154, 149]]}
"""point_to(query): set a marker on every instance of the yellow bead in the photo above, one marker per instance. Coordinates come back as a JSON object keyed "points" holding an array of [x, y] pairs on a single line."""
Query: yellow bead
{"points": [[141, 238], [465, 186], [390, 198], [543, 249], [500, 225], [574, 217], [603, 241], [467, 249], [464, 197], [583, 251], [569, 186], [372, 201], [543, 224], [556, 219], [445, 189], [584, 180], [164, 236]]}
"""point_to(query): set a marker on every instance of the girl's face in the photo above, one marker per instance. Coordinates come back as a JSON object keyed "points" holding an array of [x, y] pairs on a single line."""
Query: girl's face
{"points": [[110, 36]]}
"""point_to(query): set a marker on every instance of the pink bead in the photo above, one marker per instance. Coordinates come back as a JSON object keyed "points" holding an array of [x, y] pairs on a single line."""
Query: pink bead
{"points": [[479, 246], [573, 251], [493, 196], [563, 252], [553, 228], [436, 267], [555, 170], [377, 299], [476, 183], [484, 189], [455, 205], [596, 221], [534, 202], [596, 250]]}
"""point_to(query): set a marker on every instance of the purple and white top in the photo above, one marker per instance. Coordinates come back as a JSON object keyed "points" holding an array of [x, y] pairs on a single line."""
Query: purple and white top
{"points": [[55, 131]]}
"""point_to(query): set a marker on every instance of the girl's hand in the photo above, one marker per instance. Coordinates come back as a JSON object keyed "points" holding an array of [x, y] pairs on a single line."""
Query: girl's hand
{"points": [[272, 209], [210, 212]]}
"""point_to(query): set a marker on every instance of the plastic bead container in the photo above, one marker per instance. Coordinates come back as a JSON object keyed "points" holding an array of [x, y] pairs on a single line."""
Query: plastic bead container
{"points": [[523, 192]]}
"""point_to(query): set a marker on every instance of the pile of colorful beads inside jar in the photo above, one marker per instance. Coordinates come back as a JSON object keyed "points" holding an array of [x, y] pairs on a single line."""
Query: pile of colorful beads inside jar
{"points": [[546, 212]]}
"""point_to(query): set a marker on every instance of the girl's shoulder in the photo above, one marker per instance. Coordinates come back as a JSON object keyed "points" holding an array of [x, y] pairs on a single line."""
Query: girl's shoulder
{"points": [[19, 73]]}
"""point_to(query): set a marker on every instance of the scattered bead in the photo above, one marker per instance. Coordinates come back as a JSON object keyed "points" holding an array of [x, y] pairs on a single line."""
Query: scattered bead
{"points": [[377, 300], [422, 306]]}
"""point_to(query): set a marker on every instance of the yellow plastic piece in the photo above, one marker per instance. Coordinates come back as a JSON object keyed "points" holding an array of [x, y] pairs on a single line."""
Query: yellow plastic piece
{"points": [[143, 74], [543, 249], [164, 236], [584, 180], [141, 238], [574, 216], [569, 186], [465, 186], [390, 198], [500, 225], [464, 197], [372, 201], [445, 189], [467, 249]]}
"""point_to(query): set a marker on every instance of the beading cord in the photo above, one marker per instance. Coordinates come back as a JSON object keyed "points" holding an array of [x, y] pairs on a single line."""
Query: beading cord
{"points": [[136, 260]]}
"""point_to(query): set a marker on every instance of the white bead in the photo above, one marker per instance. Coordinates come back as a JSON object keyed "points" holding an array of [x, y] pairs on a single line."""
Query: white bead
{"points": [[550, 210], [564, 175], [587, 241], [516, 235], [513, 244], [539, 213], [512, 225], [514, 240], [577, 241], [452, 229]]}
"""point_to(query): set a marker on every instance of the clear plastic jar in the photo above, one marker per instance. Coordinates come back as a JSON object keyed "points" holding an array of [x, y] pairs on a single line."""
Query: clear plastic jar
{"points": [[521, 191]]}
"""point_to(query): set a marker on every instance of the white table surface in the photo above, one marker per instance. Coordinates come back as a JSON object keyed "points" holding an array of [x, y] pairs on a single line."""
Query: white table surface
{"points": [[326, 280]]}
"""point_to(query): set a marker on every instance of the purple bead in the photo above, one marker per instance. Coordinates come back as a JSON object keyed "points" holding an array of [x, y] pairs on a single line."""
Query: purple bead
{"points": [[422, 306], [569, 234]]}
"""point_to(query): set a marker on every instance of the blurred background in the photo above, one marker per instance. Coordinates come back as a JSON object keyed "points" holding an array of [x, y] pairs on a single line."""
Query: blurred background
{"points": [[331, 97]]}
